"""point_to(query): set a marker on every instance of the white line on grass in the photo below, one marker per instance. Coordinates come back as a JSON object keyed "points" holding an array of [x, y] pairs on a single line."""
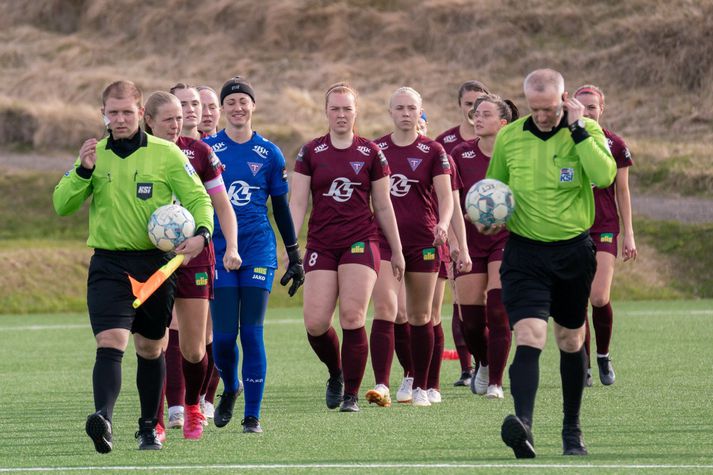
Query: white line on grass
{"points": [[354, 466], [292, 321]]}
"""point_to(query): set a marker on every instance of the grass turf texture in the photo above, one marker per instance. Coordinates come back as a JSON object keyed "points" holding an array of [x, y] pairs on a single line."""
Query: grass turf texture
{"points": [[657, 413]]}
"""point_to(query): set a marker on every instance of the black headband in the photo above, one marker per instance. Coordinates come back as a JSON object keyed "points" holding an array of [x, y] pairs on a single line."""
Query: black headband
{"points": [[234, 86]]}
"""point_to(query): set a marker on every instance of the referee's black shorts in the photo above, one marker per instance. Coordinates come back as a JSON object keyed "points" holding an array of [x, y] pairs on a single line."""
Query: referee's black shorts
{"points": [[110, 299], [548, 278]]}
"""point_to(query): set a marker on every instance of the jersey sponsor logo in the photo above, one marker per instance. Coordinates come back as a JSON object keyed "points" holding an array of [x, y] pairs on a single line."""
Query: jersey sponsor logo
{"points": [[383, 145], [240, 192], [358, 247], [357, 166], [260, 270], [414, 163], [364, 150], [320, 148], [429, 254], [219, 147], [189, 169], [606, 237], [566, 175], [341, 189], [450, 138], [144, 191], [188, 153], [257, 276], [468, 154], [400, 185], [261, 151], [254, 167], [423, 147], [201, 279]]}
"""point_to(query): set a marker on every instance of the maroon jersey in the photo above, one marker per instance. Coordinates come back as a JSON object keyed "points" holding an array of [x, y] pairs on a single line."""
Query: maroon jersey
{"points": [[472, 164], [341, 191], [450, 139], [606, 216], [413, 168], [209, 169]]}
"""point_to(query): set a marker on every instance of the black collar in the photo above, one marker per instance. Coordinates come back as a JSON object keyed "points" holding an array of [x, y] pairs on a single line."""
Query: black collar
{"points": [[125, 147], [530, 126]]}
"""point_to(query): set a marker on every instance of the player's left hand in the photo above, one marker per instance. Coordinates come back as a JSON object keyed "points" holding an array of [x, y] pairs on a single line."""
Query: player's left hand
{"points": [[463, 263], [191, 247], [629, 248], [574, 108], [440, 234], [295, 271], [398, 265], [231, 259]]}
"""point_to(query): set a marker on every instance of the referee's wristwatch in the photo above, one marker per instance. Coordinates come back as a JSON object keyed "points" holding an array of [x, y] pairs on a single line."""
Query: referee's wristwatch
{"points": [[578, 130], [205, 234], [576, 125]]}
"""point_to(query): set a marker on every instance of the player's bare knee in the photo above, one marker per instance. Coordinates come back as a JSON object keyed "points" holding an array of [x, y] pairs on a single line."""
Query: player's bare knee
{"points": [[114, 338], [569, 340], [599, 299]]}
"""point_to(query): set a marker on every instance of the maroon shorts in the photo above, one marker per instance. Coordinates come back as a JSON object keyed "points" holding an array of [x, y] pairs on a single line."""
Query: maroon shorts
{"points": [[365, 253], [417, 259], [195, 282], [480, 262], [606, 242]]}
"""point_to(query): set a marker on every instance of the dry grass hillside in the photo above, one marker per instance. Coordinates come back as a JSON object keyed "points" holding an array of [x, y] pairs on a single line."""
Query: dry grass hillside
{"points": [[652, 58]]}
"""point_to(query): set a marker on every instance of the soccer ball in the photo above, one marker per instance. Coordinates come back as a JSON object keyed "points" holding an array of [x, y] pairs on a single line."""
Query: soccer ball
{"points": [[169, 226], [489, 202]]}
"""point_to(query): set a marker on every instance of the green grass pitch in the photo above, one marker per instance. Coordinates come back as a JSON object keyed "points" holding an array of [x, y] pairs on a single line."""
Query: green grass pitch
{"points": [[657, 418]]}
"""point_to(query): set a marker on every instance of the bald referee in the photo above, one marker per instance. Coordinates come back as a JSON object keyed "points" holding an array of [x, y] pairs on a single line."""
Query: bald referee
{"points": [[128, 175], [550, 159]]}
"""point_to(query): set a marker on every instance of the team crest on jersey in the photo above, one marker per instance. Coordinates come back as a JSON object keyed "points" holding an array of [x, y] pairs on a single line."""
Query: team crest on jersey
{"points": [[383, 145], [429, 254], [219, 147], [450, 138], [320, 148], [566, 175], [357, 166], [468, 154], [341, 189], [254, 167], [414, 163], [144, 191], [240, 192], [606, 237], [261, 151], [364, 150], [201, 279], [423, 147], [400, 185]]}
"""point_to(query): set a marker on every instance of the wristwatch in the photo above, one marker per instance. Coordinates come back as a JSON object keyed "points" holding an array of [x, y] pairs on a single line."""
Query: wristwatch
{"points": [[206, 236], [577, 124]]}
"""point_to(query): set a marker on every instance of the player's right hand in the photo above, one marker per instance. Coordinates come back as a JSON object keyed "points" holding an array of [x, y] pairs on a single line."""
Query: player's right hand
{"points": [[88, 154], [398, 265], [231, 259]]}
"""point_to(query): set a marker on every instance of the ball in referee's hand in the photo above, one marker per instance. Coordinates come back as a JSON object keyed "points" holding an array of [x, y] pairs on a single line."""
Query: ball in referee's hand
{"points": [[169, 226], [489, 202]]}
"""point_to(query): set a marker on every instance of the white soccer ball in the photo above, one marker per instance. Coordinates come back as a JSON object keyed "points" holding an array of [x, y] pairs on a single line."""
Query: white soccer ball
{"points": [[489, 202], [169, 226]]}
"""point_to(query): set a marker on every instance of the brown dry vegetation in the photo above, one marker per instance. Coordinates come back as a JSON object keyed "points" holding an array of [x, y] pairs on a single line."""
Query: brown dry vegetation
{"points": [[651, 57]]}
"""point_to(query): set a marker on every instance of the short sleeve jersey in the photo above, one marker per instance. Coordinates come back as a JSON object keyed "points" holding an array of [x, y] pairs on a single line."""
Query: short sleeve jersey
{"points": [[606, 215], [209, 170], [472, 164], [254, 170], [413, 169], [450, 139], [341, 190]]}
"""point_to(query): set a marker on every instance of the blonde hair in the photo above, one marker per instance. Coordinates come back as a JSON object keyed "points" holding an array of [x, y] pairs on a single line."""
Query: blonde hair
{"points": [[154, 103], [407, 90]]}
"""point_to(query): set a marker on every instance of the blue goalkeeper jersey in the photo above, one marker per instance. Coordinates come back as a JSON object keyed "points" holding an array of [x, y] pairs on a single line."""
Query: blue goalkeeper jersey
{"points": [[253, 171]]}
